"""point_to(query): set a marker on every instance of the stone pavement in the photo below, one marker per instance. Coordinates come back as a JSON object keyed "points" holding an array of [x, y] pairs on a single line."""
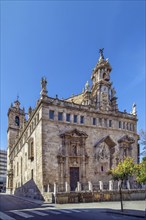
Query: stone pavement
{"points": [[131, 208]]}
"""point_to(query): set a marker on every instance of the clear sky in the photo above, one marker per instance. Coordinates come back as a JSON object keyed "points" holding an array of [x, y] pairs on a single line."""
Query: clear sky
{"points": [[61, 40]]}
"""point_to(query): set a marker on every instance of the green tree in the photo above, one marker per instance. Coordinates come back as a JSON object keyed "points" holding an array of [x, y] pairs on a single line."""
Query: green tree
{"points": [[141, 171], [142, 134], [122, 172]]}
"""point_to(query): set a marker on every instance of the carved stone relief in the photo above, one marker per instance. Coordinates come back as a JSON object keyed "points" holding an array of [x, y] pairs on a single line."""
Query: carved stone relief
{"points": [[72, 153], [103, 155], [125, 147]]}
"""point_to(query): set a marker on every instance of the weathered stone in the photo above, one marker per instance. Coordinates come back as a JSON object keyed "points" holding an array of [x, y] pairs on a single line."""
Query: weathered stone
{"points": [[68, 141], [101, 185]]}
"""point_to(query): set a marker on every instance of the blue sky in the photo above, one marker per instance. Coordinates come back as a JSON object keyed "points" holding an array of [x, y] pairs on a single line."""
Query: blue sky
{"points": [[61, 40]]}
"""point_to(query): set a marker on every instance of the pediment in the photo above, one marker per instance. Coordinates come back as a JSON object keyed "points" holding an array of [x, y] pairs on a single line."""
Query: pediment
{"points": [[107, 139], [73, 133], [126, 139]]}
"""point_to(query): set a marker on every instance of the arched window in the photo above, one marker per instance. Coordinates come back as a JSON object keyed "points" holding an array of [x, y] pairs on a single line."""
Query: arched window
{"points": [[104, 76], [31, 150], [17, 120]]}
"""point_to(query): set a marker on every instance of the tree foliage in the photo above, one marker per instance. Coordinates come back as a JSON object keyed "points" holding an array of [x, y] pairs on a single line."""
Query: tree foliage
{"points": [[141, 171], [126, 169], [142, 134], [123, 170]]}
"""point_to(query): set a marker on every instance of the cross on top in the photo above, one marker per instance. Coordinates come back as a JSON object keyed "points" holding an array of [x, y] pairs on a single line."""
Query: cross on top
{"points": [[17, 97], [101, 53]]}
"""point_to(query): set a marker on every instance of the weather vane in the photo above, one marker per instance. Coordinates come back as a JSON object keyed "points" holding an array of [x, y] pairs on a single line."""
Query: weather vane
{"points": [[101, 52], [17, 97]]}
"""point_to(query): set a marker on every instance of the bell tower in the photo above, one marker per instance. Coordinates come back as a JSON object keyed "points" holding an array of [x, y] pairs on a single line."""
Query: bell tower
{"points": [[102, 93], [16, 118]]}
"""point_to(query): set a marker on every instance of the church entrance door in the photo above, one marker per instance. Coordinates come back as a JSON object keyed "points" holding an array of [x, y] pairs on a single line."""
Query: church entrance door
{"points": [[74, 177]]}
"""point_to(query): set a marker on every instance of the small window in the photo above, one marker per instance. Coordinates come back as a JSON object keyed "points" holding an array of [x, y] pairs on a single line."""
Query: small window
{"points": [[110, 123], [104, 76], [68, 117], [119, 124], [75, 118], [123, 125], [82, 119], [17, 120], [35, 121], [130, 127], [45, 188], [32, 174], [37, 117], [102, 169], [125, 152], [51, 114], [17, 168], [31, 151], [100, 121], [105, 122], [60, 116], [133, 127], [32, 126], [94, 121], [127, 126]]}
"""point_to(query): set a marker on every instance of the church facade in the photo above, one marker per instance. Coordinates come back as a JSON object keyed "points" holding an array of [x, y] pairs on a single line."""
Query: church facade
{"points": [[70, 141]]}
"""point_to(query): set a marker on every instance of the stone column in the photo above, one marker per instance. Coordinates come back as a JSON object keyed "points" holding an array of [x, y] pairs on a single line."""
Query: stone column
{"points": [[90, 186], [111, 185], [64, 116], [101, 185], [128, 184], [61, 172], [67, 170], [78, 119], [78, 186], [55, 189], [83, 160], [48, 188], [55, 115], [67, 187], [71, 118]]}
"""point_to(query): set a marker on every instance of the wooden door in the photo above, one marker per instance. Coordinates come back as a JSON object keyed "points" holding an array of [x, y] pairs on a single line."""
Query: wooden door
{"points": [[74, 177]]}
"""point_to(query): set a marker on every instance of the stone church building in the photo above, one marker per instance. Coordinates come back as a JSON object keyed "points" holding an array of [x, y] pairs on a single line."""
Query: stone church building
{"points": [[69, 141]]}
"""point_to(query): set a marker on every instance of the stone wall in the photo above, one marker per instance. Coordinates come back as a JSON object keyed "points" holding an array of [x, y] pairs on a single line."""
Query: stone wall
{"points": [[51, 141], [79, 197]]}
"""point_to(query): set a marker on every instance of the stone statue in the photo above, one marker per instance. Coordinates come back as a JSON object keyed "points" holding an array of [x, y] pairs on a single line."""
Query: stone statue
{"points": [[87, 86], [43, 83], [134, 112], [44, 89], [113, 92], [74, 150], [103, 153]]}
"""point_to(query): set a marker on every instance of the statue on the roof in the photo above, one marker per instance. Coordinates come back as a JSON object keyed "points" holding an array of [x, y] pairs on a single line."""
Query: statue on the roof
{"points": [[87, 86], [44, 85], [134, 112], [113, 92]]}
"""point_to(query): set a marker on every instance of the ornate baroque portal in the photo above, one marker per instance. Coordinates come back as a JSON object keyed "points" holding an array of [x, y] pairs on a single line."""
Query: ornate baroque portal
{"points": [[73, 158], [104, 150]]}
